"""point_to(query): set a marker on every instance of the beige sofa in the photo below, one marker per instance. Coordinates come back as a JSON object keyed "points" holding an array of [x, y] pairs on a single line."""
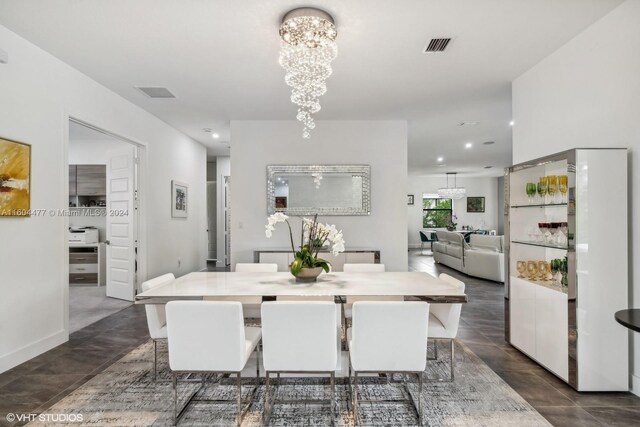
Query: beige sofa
{"points": [[482, 257]]}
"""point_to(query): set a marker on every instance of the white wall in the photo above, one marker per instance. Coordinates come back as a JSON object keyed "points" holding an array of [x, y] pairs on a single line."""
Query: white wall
{"points": [[381, 144], [476, 187], [38, 92], [587, 94]]}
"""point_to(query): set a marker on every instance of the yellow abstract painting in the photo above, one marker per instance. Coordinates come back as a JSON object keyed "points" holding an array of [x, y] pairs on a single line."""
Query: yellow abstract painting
{"points": [[15, 178]]}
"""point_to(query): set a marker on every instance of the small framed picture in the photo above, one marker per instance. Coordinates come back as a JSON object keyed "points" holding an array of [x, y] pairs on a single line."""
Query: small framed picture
{"points": [[409, 199], [475, 204], [179, 199]]}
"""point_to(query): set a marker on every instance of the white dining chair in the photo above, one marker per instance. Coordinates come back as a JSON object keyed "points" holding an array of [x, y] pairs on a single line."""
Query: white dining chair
{"points": [[299, 337], [388, 337], [444, 320], [365, 268], [250, 305], [156, 318], [210, 337]]}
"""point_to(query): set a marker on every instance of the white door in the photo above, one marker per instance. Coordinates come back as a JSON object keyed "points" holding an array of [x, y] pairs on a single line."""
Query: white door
{"points": [[121, 224]]}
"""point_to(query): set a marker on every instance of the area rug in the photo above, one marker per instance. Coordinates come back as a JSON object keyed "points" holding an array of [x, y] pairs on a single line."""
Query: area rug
{"points": [[125, 394]]}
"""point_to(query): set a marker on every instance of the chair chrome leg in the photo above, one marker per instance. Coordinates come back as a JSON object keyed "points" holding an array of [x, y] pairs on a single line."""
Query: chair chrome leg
{"points": [[266, 409], [239, 399], [258, 365], [356, 419], [420, 415], [333, 398], [452, 358], [155, 358], [174, 382]]}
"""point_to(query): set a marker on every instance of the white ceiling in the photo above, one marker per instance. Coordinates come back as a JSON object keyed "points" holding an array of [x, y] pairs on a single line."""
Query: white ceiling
{"points": [[220, 59]]}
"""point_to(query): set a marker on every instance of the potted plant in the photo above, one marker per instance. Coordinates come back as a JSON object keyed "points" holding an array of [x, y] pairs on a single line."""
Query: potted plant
{"points": [[306, 266], [451, 226]]}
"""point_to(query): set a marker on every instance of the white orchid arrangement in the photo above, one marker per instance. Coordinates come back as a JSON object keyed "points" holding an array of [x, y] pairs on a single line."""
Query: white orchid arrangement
{"points": [[314, 236]]}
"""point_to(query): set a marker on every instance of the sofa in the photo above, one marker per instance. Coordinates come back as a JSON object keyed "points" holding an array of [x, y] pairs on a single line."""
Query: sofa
{"points": [[482, 257]]}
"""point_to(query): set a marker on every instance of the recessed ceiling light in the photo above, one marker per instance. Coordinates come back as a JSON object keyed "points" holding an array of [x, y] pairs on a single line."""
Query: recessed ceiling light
{"points": [[488, 142], [468, 123], [488, 167], [215, 135], [511, 123], [208, 130], [468, 145], [440, 159]]}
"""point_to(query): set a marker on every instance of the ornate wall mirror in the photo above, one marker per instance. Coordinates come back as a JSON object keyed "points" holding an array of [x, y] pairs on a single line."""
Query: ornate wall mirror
{"points": [[321, 189]]}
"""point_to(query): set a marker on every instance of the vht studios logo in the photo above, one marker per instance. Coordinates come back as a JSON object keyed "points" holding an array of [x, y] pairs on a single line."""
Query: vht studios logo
{"points": [[50, 418]]}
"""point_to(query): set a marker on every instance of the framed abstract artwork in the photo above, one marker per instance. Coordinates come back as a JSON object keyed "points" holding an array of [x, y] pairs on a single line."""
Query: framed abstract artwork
{"points": [[179, 199], [475, 204], [15, 178]]}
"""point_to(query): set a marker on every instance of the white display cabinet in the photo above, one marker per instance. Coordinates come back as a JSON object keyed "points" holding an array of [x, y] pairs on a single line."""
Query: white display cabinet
{"points": [[571, 330]]}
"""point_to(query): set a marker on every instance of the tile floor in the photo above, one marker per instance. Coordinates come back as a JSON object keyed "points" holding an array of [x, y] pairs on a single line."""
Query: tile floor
{"points": [[42, 381]]}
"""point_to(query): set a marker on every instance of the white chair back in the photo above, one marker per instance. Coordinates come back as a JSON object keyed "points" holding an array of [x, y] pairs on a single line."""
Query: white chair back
{"points": [[247, 267], [206, 336], [389, 336], [363, 268], [299, 336], [156, 318], [449, 314]]}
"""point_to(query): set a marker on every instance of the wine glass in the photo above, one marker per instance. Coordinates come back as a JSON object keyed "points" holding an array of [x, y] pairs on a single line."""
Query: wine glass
{"points": [[562, 186], [553, 229], [556, 266], [521, 266], [532, 269], [531, 191], [543, 270], [542, 190], [544, 229], [552, 189]]}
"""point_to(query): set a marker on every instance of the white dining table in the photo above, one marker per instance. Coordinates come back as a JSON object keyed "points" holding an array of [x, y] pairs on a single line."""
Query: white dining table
{"points": [[199, 285]]}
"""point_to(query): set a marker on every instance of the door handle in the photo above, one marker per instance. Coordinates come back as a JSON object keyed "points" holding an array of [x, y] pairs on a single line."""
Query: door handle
{"points": [[106, 242]]}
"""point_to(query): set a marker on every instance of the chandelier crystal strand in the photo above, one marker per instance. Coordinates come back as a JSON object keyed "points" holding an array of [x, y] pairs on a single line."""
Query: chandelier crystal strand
{"points": [[306, 51]]}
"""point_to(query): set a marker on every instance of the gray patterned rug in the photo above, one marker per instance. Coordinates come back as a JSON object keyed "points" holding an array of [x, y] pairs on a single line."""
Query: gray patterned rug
{"points": [[126, 395]]}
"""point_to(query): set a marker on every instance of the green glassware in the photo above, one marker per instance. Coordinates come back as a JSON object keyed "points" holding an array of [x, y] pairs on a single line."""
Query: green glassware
{"points": [[531, 191], [542, 191]]}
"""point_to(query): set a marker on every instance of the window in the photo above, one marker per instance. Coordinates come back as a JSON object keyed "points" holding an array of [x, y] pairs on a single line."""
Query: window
{"points": [[436, 212]]}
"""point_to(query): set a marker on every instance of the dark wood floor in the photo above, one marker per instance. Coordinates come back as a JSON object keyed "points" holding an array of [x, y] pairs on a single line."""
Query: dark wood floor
{"points": [[482, 330], [44, 380]]}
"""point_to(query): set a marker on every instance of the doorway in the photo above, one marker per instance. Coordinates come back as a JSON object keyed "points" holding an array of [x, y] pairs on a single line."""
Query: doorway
{"points": [[103, 223]]}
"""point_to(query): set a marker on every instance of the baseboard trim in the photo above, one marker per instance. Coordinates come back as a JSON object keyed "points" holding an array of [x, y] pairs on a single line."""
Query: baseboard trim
{"points": [[635, 385], [32, 350]]}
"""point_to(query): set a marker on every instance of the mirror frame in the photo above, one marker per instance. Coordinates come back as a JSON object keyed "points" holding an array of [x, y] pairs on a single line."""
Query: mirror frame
{"points": [[361, 170]]}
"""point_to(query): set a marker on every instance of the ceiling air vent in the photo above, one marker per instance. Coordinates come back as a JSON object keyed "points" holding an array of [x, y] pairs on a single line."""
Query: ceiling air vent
{"points": [[156, 92], [438, 45]]}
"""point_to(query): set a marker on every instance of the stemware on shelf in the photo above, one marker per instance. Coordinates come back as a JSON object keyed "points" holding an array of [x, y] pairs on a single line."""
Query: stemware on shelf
{"points": [[531, 191], [544, 231], [532, 269], [543, 269], [521, 266], [552, 188], [563, 187], [542, 189], [553, 229]]}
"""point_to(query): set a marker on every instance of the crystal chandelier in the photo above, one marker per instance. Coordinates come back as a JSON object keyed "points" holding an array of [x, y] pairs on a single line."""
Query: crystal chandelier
{"points": [[306, 50], [454, 192]]}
